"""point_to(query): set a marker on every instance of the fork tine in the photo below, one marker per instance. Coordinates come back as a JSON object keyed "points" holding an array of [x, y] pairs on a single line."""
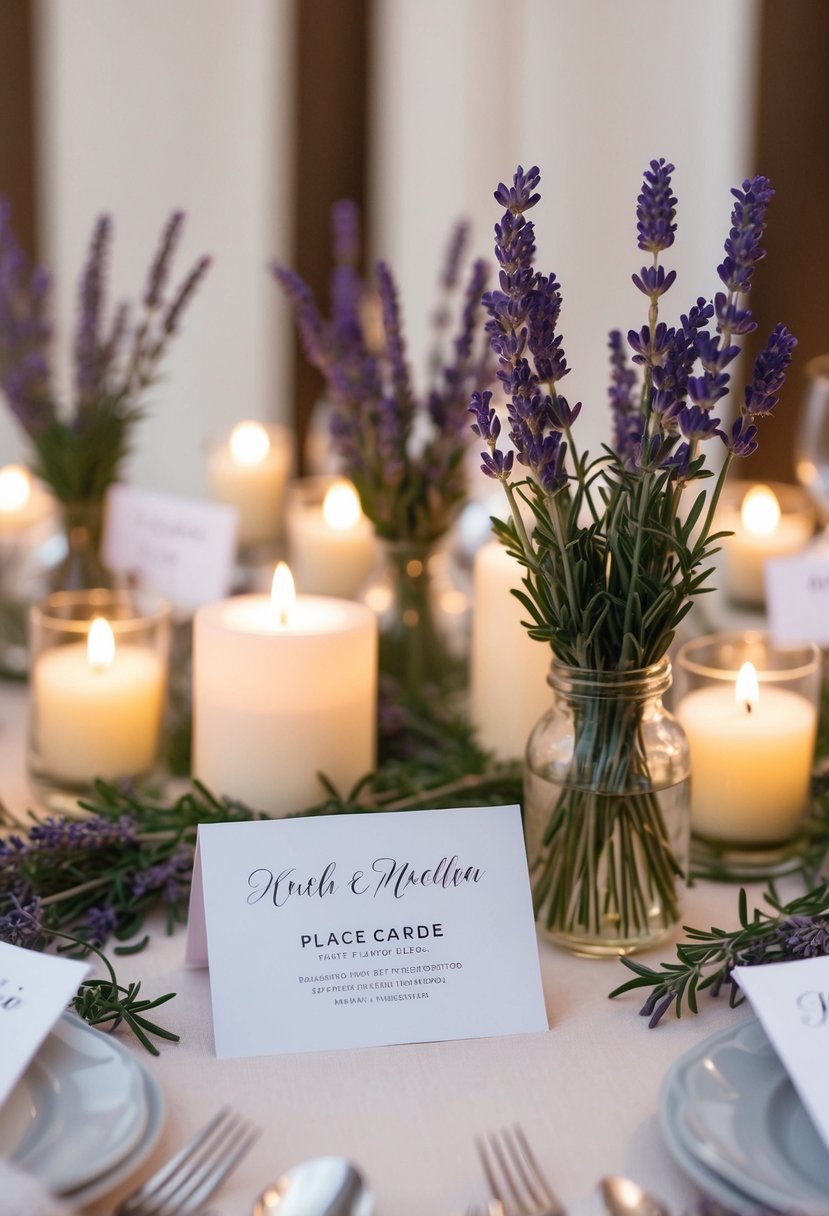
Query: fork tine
{"points": [[514, 1176], [195, 1171], [502, 1150], [548, 1194]]}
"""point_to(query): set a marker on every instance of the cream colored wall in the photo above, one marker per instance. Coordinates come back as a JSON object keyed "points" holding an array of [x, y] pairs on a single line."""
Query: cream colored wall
{"points": [[148, 105], [590, 92]]}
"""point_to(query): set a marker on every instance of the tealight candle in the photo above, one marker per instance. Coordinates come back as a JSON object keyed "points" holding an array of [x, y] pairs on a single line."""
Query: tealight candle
{"points": [[751, 735], [248, 470], [331, 543], [98, 680], [769, 522], [284, 688], [22, 502], [504, 711]]}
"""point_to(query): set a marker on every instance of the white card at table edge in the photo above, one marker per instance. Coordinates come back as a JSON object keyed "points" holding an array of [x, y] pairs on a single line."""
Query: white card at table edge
{"points": [[180, 548], [791, 1000], [35, 989], [797, 597], [400, 927]]}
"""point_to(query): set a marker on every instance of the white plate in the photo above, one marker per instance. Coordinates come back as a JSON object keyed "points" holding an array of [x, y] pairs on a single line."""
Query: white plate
{"points": [[729, 1108], [78, 1111]]}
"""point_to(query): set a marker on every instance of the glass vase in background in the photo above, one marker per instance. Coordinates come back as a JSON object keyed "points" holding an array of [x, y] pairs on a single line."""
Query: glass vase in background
{"points": [[82, 567], [423, 609], [811, 451], [607, 811]]}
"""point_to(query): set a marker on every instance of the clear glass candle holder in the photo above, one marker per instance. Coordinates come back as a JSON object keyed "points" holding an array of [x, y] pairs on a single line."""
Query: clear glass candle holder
{"points": [[331, 546], [765, 521], [98, 675], [749, 708]]}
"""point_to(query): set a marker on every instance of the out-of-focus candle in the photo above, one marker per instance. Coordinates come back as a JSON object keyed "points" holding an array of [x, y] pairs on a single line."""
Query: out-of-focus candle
{"points": [[97, 707], [508, 672], [22, 502], [283, 689], [331, 544], [767, 524], [249, 470], [752, 750]]}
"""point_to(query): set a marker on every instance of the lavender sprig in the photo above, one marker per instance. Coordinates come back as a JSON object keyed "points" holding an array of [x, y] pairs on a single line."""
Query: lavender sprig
{"points": [[403, 450], [79, 450], [706, 961]]}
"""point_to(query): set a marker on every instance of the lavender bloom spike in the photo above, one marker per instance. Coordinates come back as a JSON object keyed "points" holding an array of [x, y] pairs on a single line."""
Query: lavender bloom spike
{"points": [[160, 269], [87, 340], [656, 208], [185, 292], [395, 343], [626, 415], [761, 396], [742, 247]]}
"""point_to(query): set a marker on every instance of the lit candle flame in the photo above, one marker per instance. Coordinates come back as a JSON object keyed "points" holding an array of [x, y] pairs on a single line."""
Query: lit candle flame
{"points": [[249, 443], [283, 593], [341, 506], [100, 645], [747, 689], [15, 487], [760, 511]]}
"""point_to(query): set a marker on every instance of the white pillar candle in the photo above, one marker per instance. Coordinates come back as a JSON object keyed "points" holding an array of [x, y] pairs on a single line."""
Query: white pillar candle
{"points": [[762, 529], [752, 749], [508, 673], [97, 708], [280, 694], [249, 471], [22, 502], [331, 544]]}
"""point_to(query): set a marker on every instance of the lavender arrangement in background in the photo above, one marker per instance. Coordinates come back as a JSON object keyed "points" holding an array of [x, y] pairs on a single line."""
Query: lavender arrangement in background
{"points": [[613, 559], [78, 448], [403, 451]]}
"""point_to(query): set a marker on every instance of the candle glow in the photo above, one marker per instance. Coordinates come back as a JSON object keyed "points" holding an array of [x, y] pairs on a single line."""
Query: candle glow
{"points": [[249, 444], [15, 488], [760, 511], [100, 645], [341, 506], [283, 594], [747, 686]]}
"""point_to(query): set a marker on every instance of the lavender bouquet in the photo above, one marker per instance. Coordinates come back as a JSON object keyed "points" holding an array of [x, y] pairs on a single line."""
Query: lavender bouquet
{"points": [[403, 450], [78, 448], [613, 552]]}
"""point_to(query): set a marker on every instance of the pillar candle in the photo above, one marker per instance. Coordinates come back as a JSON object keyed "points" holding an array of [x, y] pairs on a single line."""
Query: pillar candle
{"points": [[508, 675], [281, 694], [762, 530], [751, 759], [97, 708], [249, 471], [331, 544]]}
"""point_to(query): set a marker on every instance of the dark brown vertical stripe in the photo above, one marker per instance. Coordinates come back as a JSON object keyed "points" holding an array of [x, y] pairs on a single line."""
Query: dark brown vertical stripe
{"points": [[17, 143], [331, 149], [793, 150]]}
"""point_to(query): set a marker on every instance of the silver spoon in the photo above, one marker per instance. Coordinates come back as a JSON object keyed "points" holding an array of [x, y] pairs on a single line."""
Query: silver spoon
{"points": [[324, 1186], [622, 1197]]}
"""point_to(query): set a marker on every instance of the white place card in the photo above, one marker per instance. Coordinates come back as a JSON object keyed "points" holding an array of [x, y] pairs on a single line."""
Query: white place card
{"points": [[792, 1002], [182, 549], [359, 930], [797, 597], [35, 989]]}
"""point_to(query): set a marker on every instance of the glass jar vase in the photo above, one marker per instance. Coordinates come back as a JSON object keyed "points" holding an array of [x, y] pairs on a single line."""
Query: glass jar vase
{"points": [[607, 811], [82, 567]]}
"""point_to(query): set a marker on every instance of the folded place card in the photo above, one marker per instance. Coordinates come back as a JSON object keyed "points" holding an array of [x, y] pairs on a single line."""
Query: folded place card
{"points": [[792, 1002], [797, 597], [34, 991], [360, 930], [182, 549]]}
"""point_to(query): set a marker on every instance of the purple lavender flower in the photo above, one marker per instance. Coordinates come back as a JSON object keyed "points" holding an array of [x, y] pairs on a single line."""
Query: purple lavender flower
{"points": [[21, 925], [656, 208], [770, 367], [626, 416], [806, 936], [98, 925], [742, 247]]}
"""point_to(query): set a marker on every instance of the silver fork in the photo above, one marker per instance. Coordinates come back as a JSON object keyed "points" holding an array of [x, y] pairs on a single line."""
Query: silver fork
{"points": [[514, 1177], [188, 1179]]}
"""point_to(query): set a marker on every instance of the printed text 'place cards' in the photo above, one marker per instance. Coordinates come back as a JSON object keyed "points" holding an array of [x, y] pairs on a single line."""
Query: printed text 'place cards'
{"points": [[360, 930], [180, 548], [34, 991], [797, 597], [792, 1002]]}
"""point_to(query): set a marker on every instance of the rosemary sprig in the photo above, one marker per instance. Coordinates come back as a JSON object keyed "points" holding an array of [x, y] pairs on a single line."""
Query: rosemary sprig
{"points": [[797, 929]]}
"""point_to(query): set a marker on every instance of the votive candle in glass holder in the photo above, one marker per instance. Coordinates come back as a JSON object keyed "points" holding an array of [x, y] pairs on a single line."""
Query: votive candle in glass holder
{"points": [[765, 522], [98, 672], [248, 468], [30, 544], [331, 544], [749, 709]]}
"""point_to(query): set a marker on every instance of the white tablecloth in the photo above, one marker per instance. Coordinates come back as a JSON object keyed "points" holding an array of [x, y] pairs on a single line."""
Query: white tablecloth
{"points": [[586, 1091]]}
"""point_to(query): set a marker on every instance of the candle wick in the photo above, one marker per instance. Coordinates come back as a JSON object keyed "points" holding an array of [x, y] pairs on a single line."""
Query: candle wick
{"points": [[283, 616], [748, 707]]}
